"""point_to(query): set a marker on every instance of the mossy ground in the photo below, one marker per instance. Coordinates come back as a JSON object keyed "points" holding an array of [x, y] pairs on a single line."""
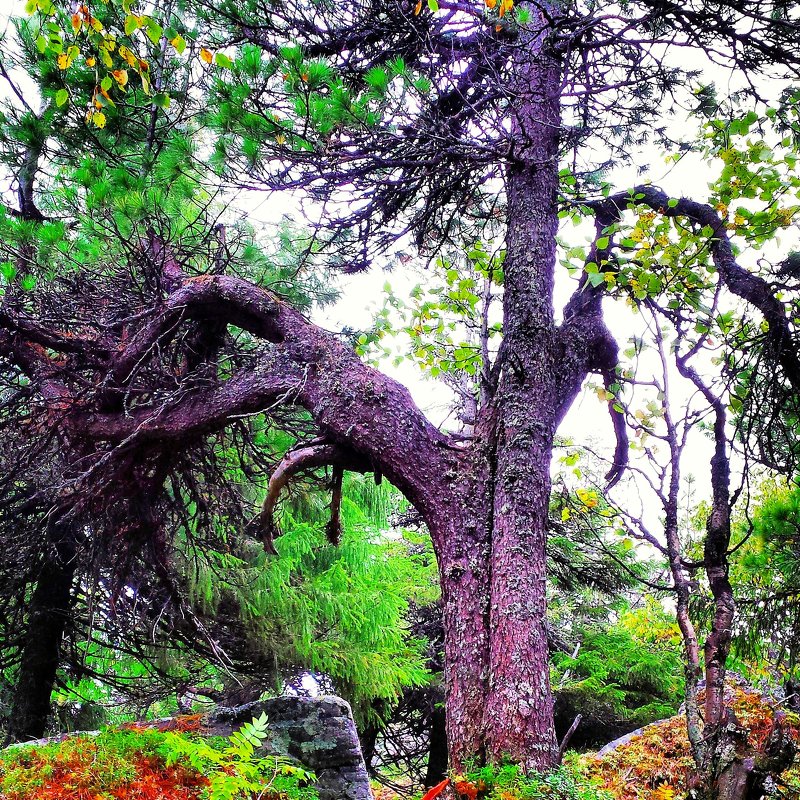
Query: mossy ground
{"points": [[656, 764]]}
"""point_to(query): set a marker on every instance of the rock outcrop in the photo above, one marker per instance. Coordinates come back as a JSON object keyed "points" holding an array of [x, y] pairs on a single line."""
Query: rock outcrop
{"points": [[318, 732]]}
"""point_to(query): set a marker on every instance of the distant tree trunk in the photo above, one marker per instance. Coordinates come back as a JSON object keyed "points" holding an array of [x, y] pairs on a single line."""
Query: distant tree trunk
{"points": [[728, 766], [47, 619], [437, 750]]}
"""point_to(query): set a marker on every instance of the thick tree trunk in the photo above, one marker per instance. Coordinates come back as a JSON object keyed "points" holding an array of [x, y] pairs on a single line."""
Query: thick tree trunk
{"points": [[463, 554], [519, 713], [47, 618]]}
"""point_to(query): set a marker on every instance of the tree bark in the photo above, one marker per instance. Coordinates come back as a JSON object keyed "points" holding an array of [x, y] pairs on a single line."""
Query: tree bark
{"points": [[47, 619], [463, 551], [519, 711]]}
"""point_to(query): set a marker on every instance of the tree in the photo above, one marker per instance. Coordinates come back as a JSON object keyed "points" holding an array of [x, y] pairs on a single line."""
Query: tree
{"points": [[727, 764], [395, 117]]}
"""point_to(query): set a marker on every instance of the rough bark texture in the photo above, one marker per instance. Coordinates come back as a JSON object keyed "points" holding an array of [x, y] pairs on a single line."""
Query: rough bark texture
{"points": [[519, 710], [462, 544]]}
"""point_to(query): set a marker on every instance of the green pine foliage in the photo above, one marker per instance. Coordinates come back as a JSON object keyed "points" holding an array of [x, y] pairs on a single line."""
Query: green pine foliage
{"points": [[630, 670], [334, 610], [766, 576]]}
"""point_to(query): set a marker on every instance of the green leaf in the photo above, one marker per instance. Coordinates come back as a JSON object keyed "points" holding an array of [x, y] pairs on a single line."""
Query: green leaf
{"points": [[131, 24], [433, 5], [597, 278], [221, 60], [106, 83], [62, 96], [154, 31], [179, 43]]}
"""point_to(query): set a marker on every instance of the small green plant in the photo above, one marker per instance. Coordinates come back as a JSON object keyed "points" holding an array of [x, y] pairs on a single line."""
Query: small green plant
{"points": [[511, 782], [237, 770]]}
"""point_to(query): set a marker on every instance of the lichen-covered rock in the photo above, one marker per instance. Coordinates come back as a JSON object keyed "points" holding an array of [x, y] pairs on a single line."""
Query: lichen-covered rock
{"points": [[319, 732]]}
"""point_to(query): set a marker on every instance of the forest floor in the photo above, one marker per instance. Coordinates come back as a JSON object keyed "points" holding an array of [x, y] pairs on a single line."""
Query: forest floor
{"points": [[656, 764], [127, 763]]}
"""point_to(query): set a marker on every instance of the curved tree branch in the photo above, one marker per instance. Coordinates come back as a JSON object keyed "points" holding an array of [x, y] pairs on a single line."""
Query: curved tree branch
{"points": [[300, 364], [316, 454], [744, 284]]}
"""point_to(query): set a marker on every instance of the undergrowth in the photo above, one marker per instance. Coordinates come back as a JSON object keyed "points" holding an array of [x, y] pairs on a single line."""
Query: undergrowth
{"points": [[656, 764], [115, 765], [510, 782], [137, 763]]}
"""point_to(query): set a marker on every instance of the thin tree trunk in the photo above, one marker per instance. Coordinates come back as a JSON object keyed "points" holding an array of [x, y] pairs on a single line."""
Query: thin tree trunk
{"points": [[437, 750], [47, 619]]}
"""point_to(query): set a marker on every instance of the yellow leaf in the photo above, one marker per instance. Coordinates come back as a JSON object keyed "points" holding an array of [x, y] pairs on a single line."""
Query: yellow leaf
{"points": [[491, 3], [206, 55], [126, 54], [91, 61], [63, 61], [120, 76], [99, 119], [76, 22], [418, 8]]}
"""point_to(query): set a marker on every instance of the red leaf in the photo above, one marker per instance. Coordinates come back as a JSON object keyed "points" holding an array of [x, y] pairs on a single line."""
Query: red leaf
{"points": [[437, 790]]}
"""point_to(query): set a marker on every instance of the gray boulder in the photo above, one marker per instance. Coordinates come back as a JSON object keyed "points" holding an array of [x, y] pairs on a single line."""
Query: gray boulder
{"points": [[318, 732]]}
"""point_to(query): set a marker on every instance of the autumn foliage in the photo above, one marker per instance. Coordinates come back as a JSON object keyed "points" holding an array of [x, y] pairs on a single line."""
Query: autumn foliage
{"points": [[656, 764], [117, 765]]}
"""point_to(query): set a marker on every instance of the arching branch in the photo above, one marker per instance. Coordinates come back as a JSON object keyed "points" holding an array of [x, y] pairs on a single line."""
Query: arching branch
{"points": [[310, 456], [298, 364], [741, 282]]}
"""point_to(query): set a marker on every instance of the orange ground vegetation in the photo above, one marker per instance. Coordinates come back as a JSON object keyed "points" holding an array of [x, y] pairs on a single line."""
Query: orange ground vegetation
{"points": [[83, 768], [656, 764], [186, 723]]}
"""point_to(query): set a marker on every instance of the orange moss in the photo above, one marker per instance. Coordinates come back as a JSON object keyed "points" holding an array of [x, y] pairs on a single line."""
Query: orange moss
{"points": [[81, 769], [656, 764], [187, 723]]}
